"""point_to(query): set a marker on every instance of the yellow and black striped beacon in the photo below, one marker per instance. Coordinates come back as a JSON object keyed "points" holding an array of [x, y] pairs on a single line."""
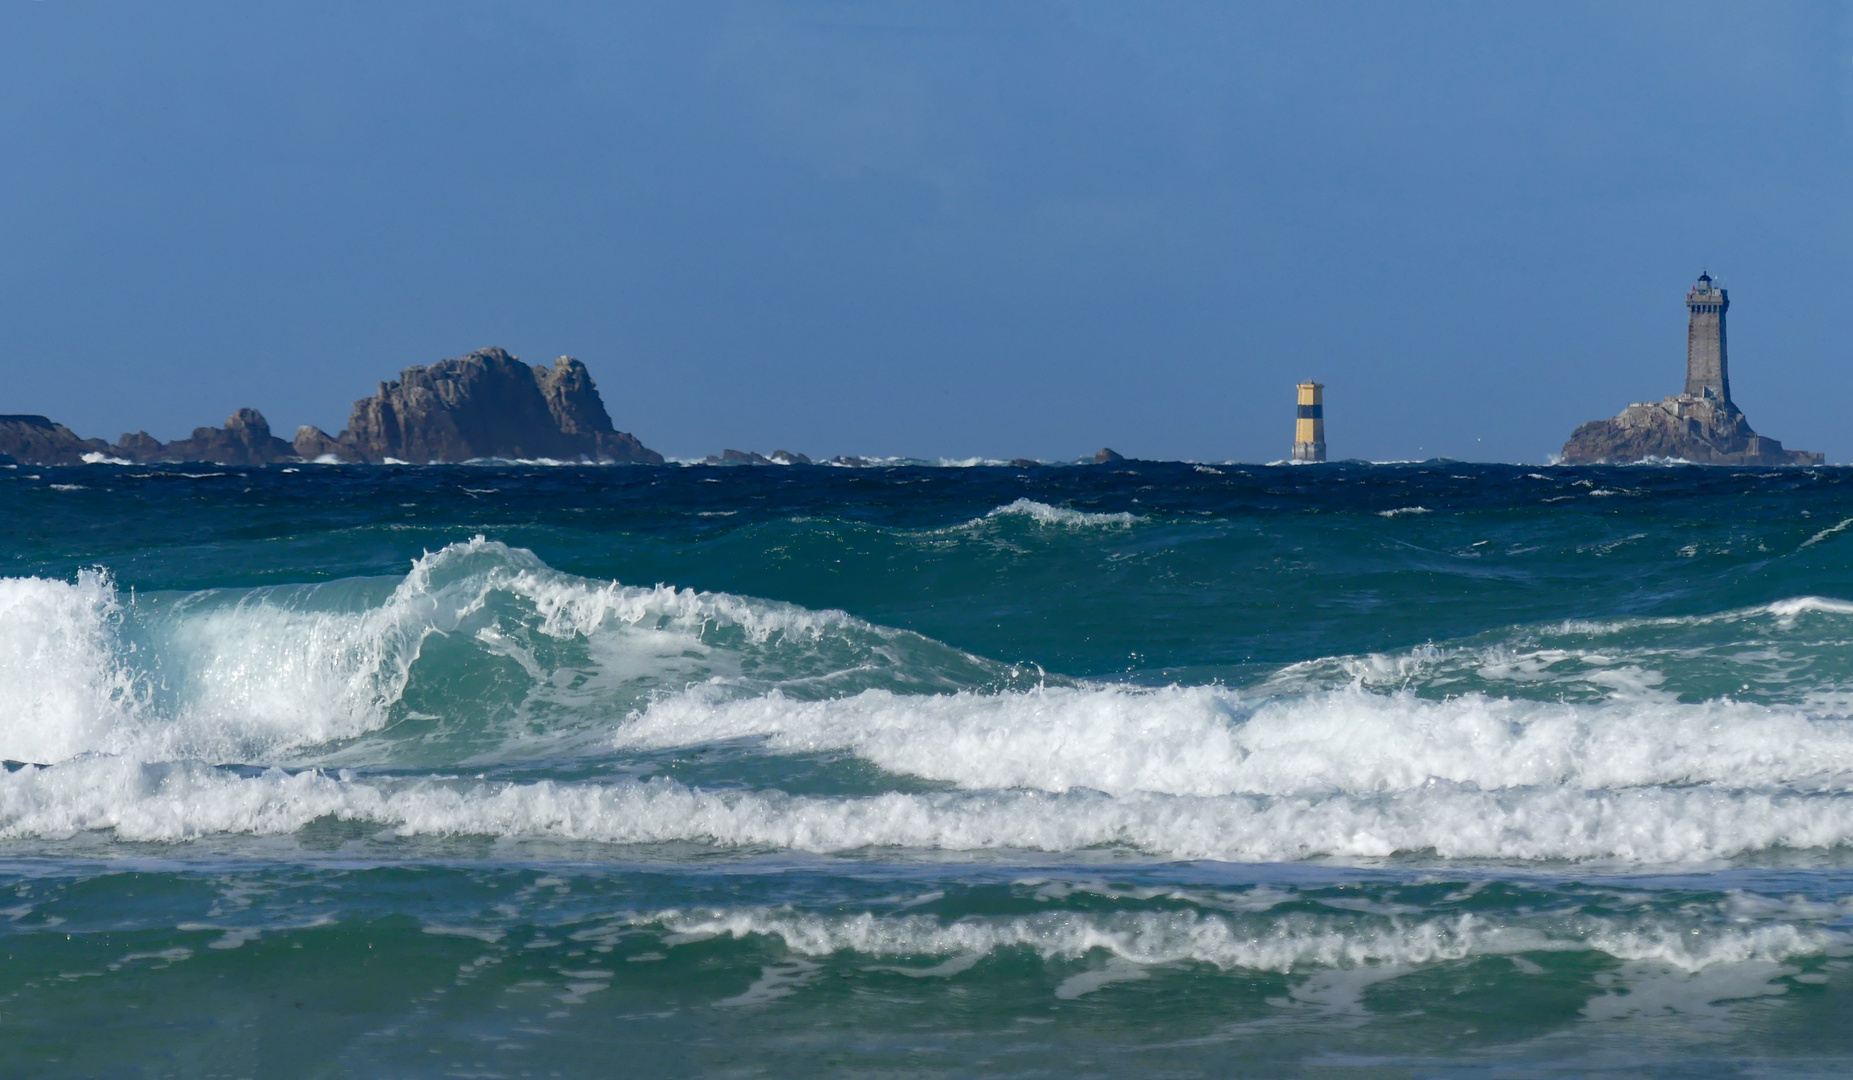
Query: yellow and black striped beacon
{"points": [[1309, 425]]}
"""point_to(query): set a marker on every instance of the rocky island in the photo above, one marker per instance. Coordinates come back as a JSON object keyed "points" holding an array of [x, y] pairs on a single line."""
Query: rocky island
{"points": [[485, 405], [1700, 425]]}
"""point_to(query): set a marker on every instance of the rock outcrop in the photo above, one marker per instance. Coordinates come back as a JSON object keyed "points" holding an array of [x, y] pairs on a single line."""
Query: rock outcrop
{"points": [[738, 457], [36, 440], [244, 440], [1684, 428], [754, 457], [1106, 455], [484, 405], [314, 444]]}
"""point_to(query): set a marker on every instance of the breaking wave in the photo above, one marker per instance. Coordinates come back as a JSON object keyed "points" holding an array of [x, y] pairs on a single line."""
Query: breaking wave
{"points": [[1213, 741], [1281, 943], [186, 801], [1060, 516], [1637, 741], [255, 675]]}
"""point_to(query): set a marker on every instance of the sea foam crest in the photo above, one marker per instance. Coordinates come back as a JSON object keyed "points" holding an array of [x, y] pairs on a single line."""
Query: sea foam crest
{"points": [[63, 689], [186, 801], [1061, 516], [1213, 741], [229, 675], [1283, 943]]}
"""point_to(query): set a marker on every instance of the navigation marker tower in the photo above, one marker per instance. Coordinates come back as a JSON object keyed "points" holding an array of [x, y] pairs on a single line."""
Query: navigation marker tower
{"points": [[1309, 425]]}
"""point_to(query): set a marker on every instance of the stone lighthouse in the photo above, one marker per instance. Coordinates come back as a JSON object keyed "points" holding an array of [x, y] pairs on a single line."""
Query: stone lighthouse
{"points": [[1700, 426], [1708, 373]]}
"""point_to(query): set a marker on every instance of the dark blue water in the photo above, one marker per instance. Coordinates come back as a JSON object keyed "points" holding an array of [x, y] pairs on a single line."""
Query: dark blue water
{"points": [[1432, 769]]}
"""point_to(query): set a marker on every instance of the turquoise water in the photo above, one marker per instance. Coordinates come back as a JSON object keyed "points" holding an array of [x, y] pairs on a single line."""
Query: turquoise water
{"points": [[1413, 770]]}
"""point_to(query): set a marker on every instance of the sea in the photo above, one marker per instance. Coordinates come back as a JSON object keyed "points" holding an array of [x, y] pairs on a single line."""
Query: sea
{"points": [[1143, 769]]}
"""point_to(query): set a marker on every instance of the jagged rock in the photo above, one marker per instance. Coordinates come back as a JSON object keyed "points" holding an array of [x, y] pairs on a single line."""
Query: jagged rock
{"points": [[1683, 427], [139, 446], [1029, 463], [788, 457], [312, 443], [244, 440], [1107, 456], [851, 462], [486, 405], [36, 440]]}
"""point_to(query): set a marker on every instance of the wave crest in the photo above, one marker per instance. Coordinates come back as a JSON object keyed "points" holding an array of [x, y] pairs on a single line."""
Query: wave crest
{"points": [[1209, 741], [261, 674], [188, 801]]}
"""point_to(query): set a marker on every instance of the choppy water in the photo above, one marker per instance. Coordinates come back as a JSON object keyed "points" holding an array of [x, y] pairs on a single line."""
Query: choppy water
{"points": [[1149, 769]]}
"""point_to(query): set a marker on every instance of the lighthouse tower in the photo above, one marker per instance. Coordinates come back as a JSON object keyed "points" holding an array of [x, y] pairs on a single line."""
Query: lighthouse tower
{"points": [[1707, 369], [1309, 424]]}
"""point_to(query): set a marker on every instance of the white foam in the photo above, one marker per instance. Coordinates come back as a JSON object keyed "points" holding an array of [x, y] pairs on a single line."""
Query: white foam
{"points": [[1115, 971], [1404, 510], [251, 676], [1213, 741], [1651, 991], [62, 690], [775, 981], [1282, 943], [95, 458], [1800, 605], [180, 802], [1044, 514], [1785, 610]]}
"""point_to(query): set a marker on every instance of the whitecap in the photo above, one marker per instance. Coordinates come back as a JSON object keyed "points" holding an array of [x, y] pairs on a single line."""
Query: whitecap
{"points": [[1647, 826], [1060, 516], [1214, 741]]}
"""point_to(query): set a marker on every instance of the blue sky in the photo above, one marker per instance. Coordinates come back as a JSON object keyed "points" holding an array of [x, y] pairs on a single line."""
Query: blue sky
{"points": [[937, 229]]}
